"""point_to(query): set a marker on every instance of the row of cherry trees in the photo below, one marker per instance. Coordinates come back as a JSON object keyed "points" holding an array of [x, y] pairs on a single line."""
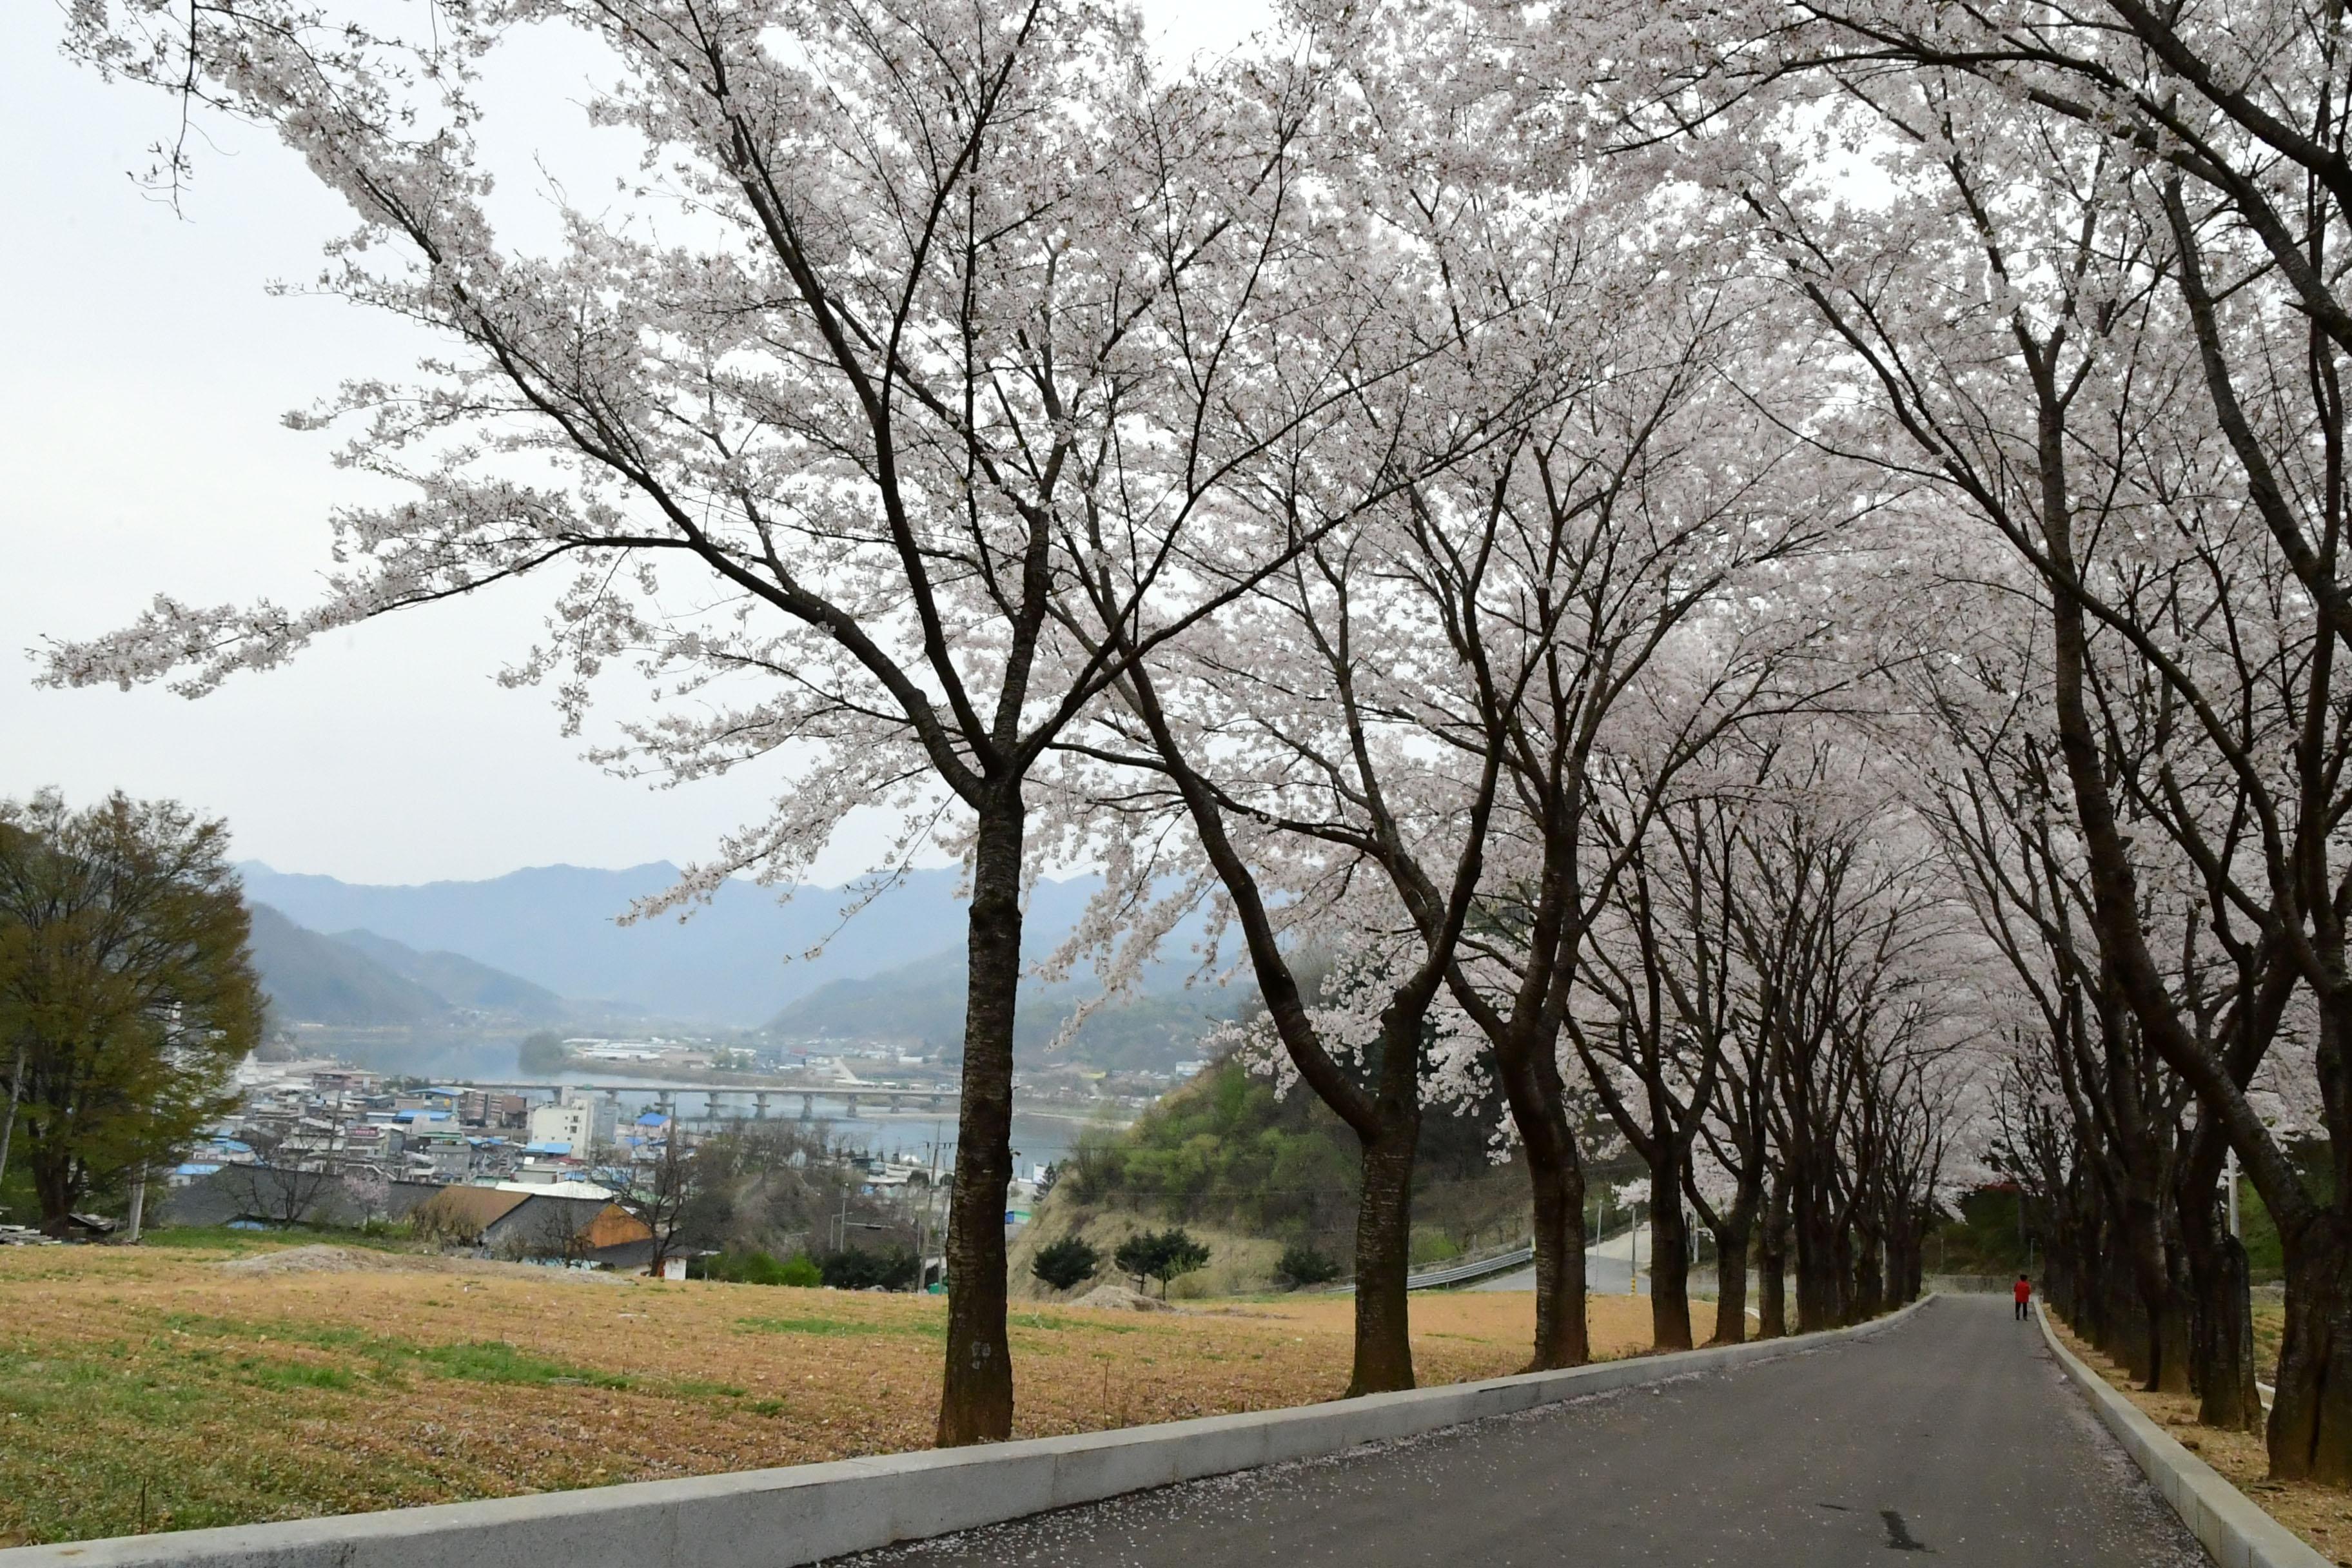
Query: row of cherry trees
{"points": [[1744, 574], [2082, 266]]}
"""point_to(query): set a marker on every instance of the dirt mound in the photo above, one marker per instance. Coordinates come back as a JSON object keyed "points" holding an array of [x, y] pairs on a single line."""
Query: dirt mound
{"points": [[326, 1260], [1118, 1297], [321, 1260]]}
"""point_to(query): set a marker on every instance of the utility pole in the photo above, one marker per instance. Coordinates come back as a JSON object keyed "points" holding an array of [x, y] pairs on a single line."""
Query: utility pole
{"points": [[1604, 1236], [2228, 1175], [930, 1196], [1633, 1250], [8, 1125], [138, 1200]]}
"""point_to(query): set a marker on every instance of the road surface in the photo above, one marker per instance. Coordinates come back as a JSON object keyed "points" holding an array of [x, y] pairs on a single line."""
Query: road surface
{"points": [[1951, 1433], [1607, 1265]]}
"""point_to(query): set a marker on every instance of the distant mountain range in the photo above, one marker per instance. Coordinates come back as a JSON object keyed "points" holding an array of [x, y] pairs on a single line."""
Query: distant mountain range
{"points": [[312, 978], [533, 938], [359, 979], [462, 982], [922, 1003]]}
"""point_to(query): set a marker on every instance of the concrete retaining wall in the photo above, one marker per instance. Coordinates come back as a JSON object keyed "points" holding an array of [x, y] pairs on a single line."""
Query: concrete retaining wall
{"points": [[781, 1517], [2236, 1532]]}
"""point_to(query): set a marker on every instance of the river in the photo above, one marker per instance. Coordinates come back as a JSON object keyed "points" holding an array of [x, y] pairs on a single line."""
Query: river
{"points": [[1039, 1137]]}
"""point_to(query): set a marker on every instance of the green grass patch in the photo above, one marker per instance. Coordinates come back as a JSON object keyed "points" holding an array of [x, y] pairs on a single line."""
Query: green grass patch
{"points": [[496, 1360], [1049, 1322], [36, 1388], [224, 1239], [296, 1374], [474, 1361], [111, 1439], [839, 1328], [211, 1238]]}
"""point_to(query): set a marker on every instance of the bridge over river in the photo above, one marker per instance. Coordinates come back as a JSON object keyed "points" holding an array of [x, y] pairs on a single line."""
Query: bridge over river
{"points": [[916, 1124], [697, 1102]]}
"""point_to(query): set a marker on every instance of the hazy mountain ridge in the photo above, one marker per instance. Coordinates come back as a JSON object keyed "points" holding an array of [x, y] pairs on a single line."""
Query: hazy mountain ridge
{"points": [[312, 978], [461, 981], [737, 960], [922, 1003]]}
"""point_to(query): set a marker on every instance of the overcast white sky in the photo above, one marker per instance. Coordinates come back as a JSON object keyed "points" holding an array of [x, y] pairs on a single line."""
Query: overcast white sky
{"points": [[142, 382]]}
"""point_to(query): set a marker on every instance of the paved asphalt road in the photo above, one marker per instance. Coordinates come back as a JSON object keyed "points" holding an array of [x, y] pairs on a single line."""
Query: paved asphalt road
{"points": [[1951, 1435], [1608, 1264], [1603, 1276]]}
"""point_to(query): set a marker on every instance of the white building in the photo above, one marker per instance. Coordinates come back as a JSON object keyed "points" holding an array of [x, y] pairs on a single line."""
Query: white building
{"points": [[586, 1122]]}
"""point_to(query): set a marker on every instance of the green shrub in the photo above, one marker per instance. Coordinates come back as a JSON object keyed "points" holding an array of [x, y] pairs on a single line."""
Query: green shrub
{"points": [[1302, 1265], [542, 1053], [756, 1268], [735, 1268], [1161, 1255], [1067, 1262], [855, 1268]]}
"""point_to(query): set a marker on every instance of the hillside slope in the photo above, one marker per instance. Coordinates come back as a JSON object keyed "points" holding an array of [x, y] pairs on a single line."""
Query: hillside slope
{"points": [[459, 980], [923, 1003], [313, 979]]}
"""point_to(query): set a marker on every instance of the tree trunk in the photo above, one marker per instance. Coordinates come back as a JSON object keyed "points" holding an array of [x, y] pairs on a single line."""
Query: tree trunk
{"points": [[1556, 1179], [2223, 1341], [2130, 1333], [976, 1392], [1772, 1265], [1731, 1280], [1820, 1290], [1893, 1251], [2310, 1416], [1384, 1256], [1670, 1319], [58, 1182], [1869, 1278], [2221, 1324], [2095, 1326], [1903, 1260], [2164, 1349]]}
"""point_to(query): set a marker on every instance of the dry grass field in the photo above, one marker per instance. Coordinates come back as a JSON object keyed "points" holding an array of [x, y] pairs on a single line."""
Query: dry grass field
{"points": [[159, 1389]]}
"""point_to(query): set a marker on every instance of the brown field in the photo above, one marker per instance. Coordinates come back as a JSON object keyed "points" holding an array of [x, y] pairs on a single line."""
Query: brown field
{"points": [[2321, 1515], [155, 1389]]}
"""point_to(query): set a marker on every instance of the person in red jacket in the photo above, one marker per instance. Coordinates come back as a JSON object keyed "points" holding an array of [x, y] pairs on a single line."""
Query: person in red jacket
{"points": [[2023, 1291]]}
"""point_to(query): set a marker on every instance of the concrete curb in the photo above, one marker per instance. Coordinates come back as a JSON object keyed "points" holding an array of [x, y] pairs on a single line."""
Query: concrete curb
{"points": [[807, 1513], [2235, 1532]]}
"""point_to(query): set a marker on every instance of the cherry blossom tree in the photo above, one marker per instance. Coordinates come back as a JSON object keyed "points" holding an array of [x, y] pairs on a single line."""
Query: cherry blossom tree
{"points": [[1670, 526], [2041, 379], [1281, 756], [1651, 1030], [927, 336]]}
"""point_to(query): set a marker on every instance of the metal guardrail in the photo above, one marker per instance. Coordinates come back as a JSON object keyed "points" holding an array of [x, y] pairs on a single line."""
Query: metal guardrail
{"points": [[1464, 1273]]}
